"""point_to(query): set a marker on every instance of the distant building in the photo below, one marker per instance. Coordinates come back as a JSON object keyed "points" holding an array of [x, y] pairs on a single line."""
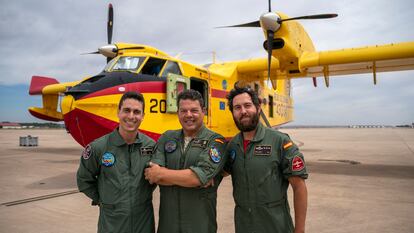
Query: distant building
{"points": [[10, 125]]}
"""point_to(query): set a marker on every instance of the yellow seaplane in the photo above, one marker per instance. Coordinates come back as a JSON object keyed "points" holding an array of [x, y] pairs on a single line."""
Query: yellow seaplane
{"points": [[89, 107]]}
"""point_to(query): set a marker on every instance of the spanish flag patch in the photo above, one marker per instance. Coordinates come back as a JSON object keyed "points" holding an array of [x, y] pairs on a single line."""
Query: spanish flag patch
{"points": [[287, 145], [221, 141]]}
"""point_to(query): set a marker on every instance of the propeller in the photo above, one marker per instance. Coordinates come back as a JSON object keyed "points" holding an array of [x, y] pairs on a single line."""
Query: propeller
{"points": [[271, 22], [109, 50]]}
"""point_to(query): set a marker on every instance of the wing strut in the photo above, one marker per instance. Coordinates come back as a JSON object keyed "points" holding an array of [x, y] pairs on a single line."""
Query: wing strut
{"points": [[374, 72], [265, 119], [326, 75]]}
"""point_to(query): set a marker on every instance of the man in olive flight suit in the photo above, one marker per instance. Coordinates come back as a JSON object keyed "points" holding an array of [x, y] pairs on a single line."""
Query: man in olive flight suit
{"points": [[111, 172], [187, 164], [262, 163]]}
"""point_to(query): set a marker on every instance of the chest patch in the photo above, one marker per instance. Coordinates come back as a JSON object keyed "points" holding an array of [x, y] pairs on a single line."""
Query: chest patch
{"points": [[170, 146], [108, 159], [200, 143], [146, 150], [262, 150]]}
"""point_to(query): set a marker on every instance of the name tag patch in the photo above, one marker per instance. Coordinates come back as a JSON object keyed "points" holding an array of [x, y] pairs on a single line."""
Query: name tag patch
{"points": [[147, 150], [200, 143], [262, 150]]}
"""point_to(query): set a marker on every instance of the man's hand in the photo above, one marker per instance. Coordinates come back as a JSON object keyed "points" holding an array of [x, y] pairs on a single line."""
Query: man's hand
{"points": [[209, 183], [153, 173]]}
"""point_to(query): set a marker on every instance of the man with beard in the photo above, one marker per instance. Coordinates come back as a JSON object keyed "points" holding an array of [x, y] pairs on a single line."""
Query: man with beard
{"points": [[187, 165], [263, 162], [111, 172]]}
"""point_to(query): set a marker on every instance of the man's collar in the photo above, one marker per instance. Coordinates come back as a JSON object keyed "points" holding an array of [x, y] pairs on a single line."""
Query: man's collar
{"points": [[200, 133], [117, 140]]}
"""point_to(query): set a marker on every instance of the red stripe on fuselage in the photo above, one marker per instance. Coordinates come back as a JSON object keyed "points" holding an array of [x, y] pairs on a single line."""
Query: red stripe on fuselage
{"points": [[218, 93], [141, 87]]}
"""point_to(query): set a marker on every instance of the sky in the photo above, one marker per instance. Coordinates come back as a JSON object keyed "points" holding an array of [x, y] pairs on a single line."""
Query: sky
{"points": [[46, 38]]}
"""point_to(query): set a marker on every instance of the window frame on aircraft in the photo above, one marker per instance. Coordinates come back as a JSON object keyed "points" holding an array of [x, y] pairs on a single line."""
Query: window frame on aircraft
{"points": [[171, 67], [150, 65], [130, 62]]}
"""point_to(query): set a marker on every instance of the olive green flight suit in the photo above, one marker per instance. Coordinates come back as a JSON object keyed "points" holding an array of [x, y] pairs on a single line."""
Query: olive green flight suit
{"points": [[260, 180], [190, 210], [111, 173]]}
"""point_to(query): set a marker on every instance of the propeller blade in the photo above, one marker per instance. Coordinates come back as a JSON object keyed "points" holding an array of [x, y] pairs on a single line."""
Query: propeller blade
{"points": [[320, 16], [270, 6], [110, 23], [96, 52], [270, 35], [251, 24]]}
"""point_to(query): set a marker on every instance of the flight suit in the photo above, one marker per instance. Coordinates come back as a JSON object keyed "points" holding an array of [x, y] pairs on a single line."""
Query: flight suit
{"points": [[260, 180], [111, 173], [190, 210]]}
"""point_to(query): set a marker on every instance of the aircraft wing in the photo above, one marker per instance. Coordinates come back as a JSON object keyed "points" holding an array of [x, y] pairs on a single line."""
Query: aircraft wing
{"points": [[372, 59]]}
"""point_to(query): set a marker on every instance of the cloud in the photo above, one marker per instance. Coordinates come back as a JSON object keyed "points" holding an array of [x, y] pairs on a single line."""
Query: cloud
{"points": [[47, 37]]}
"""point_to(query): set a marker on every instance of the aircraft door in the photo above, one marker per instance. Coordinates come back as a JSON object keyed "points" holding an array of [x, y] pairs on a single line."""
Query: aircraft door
{"points": [[175, 85]]}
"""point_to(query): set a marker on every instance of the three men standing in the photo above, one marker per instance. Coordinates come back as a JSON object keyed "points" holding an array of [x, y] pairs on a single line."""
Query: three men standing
{"points": [[187, 164], [263, 162]]}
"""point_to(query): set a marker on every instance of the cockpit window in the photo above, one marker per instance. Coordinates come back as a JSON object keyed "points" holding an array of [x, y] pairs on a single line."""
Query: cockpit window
{"points": [[171, 67], [128, 63], [153, 66]]}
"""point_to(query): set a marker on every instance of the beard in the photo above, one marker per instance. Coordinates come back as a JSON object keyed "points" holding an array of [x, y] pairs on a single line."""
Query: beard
{"points": [[250, 125]]}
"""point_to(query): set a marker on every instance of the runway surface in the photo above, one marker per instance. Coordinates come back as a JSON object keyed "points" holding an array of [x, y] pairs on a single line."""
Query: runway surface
{"points": [[361, 180]]}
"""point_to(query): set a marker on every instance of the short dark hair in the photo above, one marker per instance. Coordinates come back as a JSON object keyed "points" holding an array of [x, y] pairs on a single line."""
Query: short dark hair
{"points": [[190, 94], [240, 90], [132, 95]]}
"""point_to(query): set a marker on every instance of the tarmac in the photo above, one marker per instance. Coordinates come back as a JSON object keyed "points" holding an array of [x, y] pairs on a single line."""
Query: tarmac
{"points": [[361, 180]]}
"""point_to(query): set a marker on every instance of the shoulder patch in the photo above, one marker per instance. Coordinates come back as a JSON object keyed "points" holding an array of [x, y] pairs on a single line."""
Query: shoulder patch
{"points": [[86, 154], [215, 155], [297, 164], [287, 145], [147, 150], [170, 146]]}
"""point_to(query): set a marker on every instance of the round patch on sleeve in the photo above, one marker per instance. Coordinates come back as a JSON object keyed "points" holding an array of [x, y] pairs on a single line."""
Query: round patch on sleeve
{"points": [[170, 146], [108, 159], [215, 154], [86, 154], [297, 164], [232, 155]]}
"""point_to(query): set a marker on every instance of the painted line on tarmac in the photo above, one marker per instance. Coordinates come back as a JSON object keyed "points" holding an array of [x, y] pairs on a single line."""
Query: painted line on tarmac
{"points": [[39, 198]]}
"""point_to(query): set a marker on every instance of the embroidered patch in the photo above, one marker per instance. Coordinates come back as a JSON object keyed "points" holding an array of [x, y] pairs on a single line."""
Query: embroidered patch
{"points": [[219, 140], [297, 164], [215, 154], [86, 154], [170, 146], [264, 150], [108, 159], [147, 150], [200, 143], [287, 145]]}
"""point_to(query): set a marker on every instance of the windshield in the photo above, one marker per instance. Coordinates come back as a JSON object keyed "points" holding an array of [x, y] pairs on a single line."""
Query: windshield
{"points": [[128, 63]]}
